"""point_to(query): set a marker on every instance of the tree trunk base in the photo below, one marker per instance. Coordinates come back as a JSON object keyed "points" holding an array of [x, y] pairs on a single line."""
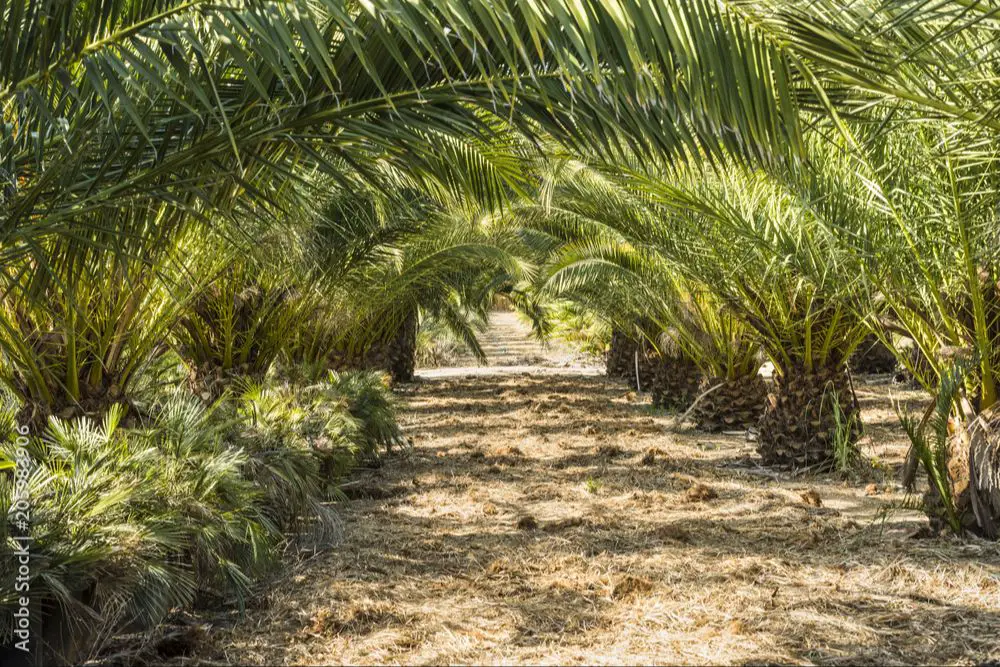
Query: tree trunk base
{"points": [[620, 362], [396, 355], [797, 428], [873, 356], [673, 381], [736, 405], [973, 470]]}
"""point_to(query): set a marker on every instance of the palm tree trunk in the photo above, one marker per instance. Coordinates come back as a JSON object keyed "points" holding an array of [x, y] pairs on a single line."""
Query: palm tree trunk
{"points": [[737, 404], [873, 356], [973, 472], [401, 351], [800, 420], [395, 354], [620, 363], [673, 380]]}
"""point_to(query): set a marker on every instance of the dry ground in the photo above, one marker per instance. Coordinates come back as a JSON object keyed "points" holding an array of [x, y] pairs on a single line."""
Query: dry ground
{"points": [[549, 519], [510, 348]]}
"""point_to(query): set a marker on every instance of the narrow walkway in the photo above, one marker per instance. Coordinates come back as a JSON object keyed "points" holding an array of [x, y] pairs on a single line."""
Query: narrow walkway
{"points": [[554, 520], [511, 348]]}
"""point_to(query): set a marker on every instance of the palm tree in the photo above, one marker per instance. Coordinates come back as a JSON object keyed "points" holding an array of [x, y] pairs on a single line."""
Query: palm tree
{"points": [[622, 351], [758, 247], [87, 332], [384, 262], [937, 270], [906, 93], [682, 342], [125, 124]]}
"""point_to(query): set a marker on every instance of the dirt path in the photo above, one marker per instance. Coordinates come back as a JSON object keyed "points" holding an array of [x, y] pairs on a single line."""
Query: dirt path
{"points": [[557, 520], [511, 348]]}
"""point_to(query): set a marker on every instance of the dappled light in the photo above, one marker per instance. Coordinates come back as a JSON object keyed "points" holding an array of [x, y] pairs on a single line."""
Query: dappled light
{"points": [[620, 562], [499, 331]]}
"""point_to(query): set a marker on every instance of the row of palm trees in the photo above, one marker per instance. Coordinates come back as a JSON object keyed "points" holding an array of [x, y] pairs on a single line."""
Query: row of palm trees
{"points": [[206, 208], [234, 198], [878, 215]]}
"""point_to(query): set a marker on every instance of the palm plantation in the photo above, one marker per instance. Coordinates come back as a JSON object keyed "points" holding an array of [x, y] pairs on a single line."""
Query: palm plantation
{"points": [[227, 228]]}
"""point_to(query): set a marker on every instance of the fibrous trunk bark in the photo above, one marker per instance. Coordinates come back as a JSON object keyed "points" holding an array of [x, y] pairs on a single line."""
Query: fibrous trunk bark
{"points": [[873, 356], [395, 354], [673, 380], [799, 423], [620, 363], [973, 477], [736, 404]]}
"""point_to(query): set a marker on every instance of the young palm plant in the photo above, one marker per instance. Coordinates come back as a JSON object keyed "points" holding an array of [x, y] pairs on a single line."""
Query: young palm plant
{"points": [[127, 525], [937, 270], [81, 335], [250, 301], [762, 248]]}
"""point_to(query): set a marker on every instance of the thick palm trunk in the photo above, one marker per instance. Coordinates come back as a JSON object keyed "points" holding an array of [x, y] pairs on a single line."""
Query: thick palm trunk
{"points": [[973, 478], [798, 425], [620, 363], [673, 380], [396, 354], [873, 356], [735, 405]]}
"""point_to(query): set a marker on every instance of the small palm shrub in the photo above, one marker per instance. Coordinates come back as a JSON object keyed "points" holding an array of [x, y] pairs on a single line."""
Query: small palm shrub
{"points": [[237, 327], [367, 398], [190, 505], [128, 524], [78, 343]]}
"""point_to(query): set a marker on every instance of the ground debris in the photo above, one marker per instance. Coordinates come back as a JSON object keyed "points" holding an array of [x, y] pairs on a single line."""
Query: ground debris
{"points": [[672, 532], [505, 560], [700, 493], [527, 522], [811, 497], [563, 524], [629, 587], [610, 451], [649, 457]]}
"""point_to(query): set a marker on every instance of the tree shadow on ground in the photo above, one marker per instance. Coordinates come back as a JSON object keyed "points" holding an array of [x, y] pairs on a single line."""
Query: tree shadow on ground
{"points": [[539, 543]]}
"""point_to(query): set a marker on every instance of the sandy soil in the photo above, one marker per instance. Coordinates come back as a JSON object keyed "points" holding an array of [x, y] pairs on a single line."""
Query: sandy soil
{"points": [[558, 519]]}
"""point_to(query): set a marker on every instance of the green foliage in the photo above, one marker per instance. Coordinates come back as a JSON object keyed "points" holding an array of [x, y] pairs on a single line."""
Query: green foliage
{"points": [[81, 339], [192, 504], [579, 327], [930, 437], [725, 263], [239, 325], [844, 436], [367, 398], [103, 544], [128, 523], [437, 345], [384, 259]]}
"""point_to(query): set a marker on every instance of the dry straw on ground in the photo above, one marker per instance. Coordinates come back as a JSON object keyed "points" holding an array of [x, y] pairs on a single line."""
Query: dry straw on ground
{"points": [[646, 546]]}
